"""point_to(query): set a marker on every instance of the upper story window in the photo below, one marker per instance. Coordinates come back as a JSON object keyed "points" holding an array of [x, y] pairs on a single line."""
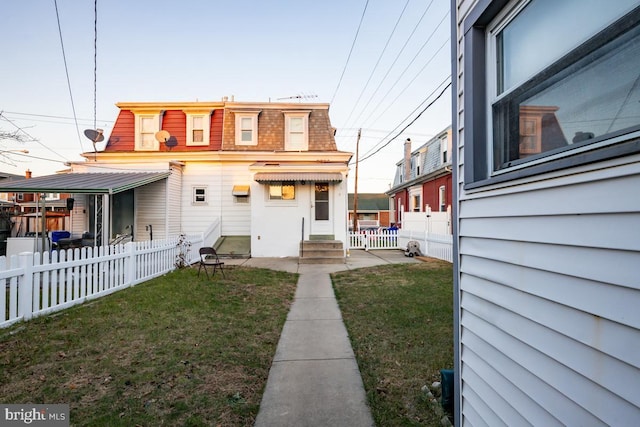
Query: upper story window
{"points": [[198, 129], [296, 131], [548, 85], [246, 127], [444, 148], [282, 191], [147, 125]]}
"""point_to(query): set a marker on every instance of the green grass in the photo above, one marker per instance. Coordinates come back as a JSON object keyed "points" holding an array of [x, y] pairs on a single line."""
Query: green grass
{"points": [[400, 322], [177, 350]]}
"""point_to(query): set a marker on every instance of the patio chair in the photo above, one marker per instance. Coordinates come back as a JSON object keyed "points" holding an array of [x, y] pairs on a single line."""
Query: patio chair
{"points": [[209, 258]]}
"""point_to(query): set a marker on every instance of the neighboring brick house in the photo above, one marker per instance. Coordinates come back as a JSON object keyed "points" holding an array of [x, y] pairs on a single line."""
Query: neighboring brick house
{"points": [[373, 209], [423, 178], [267, 171]]}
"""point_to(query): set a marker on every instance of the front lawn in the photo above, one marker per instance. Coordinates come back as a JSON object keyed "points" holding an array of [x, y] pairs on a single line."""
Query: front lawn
{"points": [[176, 350]]}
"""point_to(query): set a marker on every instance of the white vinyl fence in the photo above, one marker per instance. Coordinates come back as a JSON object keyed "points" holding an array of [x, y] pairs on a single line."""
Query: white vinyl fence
{"points": [[431, 244], [69, 277]]}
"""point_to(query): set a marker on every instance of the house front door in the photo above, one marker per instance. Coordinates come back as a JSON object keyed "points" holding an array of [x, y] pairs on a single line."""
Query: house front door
{"points": [[322, 223]]}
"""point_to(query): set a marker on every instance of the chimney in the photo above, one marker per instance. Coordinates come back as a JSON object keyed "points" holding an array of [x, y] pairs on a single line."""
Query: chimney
{"points": [[407, 160], [27, 174]]}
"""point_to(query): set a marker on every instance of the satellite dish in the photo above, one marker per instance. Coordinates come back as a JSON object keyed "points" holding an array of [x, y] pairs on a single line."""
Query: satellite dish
{"points": [[95, 135], [163, 136]]}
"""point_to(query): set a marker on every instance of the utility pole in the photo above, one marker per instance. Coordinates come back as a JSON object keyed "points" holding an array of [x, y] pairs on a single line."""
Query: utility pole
{"points": [[355, 192]]}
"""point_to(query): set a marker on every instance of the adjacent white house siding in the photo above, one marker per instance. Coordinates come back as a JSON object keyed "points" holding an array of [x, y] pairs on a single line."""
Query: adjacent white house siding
{"points": [[548, 290], [277, 224], [173, 197], [151, 209], [198, 217], [236, 220]]}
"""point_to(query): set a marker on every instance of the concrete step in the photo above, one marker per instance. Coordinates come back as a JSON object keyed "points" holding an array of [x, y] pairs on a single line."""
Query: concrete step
{"points": [[321, 252], [321, 244]]}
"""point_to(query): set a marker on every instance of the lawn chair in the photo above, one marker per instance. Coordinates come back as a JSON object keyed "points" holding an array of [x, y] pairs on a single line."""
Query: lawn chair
{"points": [[209, 258]]}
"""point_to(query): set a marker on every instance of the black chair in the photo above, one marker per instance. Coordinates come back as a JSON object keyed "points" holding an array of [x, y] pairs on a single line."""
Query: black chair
{"points": [[209, 258]]}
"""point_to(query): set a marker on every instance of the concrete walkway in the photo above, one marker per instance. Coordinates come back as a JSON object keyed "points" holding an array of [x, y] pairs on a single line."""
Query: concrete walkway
{"points": [[314, 379]]}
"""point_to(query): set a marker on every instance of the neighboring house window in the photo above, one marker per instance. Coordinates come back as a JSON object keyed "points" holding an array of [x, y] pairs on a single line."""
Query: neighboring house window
{"points": [[247, 128], [20, 197], [199, 195], [282, 191], [415, 203], [443, 150], [296, 131], [198, 129], [573, 96], [146, 128], [442, 198]]}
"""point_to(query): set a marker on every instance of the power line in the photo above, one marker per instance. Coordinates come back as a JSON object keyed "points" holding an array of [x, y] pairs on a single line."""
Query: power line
{"points": [[53, 117], [375, 67], [406, 118], [407, 126], [66, 69], [390, 104], [30, 136], [415, 28], [350, 52]]}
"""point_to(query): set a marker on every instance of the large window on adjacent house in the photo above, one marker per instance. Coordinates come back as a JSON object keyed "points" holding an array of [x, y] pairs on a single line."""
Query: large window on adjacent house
{"points": [[560, 79], [282, 191], [198, 126], [246, 127], [296, 131]]}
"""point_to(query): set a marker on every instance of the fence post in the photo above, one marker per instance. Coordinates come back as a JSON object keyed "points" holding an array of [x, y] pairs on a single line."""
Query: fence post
{"points": [[25, 287], [130, 264]]}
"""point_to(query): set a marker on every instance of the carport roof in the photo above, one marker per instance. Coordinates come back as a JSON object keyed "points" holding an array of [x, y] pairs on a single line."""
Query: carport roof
{"points": [[88, 183]]}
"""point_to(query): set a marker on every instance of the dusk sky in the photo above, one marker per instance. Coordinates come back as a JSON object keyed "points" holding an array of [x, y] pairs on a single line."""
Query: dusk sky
{"points": [[256, 51]]}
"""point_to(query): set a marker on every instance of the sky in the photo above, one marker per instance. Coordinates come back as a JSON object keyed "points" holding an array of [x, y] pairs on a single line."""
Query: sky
{"points": [[203, 50]]}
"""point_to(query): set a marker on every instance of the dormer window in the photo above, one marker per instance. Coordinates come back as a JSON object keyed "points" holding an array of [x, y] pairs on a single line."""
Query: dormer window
{"points": [[296, 130], [146, 127], [246, 127], [198, 129]]}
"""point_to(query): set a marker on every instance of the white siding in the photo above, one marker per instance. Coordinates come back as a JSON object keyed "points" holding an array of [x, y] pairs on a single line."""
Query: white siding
{"points": [[236, 220], [549, 293], [151, 209], [219, 181], [174, 207]]}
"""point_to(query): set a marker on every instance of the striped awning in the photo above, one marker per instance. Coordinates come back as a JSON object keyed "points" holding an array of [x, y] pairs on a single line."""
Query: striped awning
{"points": [[298, 176]]}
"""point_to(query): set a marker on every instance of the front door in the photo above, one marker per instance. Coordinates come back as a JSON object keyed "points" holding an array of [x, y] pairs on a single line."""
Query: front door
{"points": [[322, 223]]}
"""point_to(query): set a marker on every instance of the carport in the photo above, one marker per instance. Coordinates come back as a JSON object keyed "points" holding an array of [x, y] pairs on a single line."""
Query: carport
{"points": [[102, 186]]}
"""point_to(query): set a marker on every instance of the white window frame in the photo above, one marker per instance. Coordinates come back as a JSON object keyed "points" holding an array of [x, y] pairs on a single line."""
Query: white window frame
{"points": [[156, 123], [289, 145], [281, 184], [195, 195], [442, 198], [206, 124], [251, 115], [444, 150]]}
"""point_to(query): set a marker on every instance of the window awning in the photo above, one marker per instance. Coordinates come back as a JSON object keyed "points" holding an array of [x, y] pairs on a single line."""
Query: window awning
{"points": [[298, 176], [240, 190], [87, 183]]}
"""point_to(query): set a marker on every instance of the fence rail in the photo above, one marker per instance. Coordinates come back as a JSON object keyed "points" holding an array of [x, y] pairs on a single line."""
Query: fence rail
{"points": [[431, 244], [36, 284]]}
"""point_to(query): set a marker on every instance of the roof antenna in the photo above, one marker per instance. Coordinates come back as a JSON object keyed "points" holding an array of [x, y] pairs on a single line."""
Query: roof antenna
{"points": [[95, 134], [299, 97]]}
